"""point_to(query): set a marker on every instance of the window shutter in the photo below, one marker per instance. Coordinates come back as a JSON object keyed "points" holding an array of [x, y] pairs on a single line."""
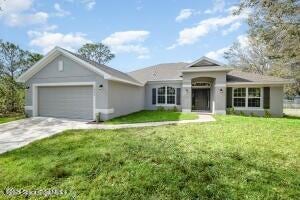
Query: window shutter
{"points": [[153, 96], [178, 96], [229, 97], [266, 97]]}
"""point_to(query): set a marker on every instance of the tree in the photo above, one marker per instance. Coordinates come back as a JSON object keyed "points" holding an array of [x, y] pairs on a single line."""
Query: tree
{"points": [[275, 23], [251, 57], [13, 62], [97, 52]]}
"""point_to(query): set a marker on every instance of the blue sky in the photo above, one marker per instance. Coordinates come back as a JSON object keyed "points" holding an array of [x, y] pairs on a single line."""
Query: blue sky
{"points": [[140, 32]]}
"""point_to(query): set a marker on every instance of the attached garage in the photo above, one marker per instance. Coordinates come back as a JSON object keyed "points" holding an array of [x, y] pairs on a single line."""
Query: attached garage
{"points": [[74, 102]]}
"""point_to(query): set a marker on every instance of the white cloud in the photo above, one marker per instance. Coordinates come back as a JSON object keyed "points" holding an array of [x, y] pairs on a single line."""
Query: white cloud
{"points": [[89, 4], [48, 40], [218, 54], [243, 40], [193, 34], [128, 42], [60, 12], [184, 14], [18, 13], [232, 28], [218, 6]]}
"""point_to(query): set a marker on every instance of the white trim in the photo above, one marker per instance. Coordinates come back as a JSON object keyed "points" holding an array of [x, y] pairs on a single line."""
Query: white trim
{"points": [[259, 83], [204, 58], [220, 85], [28, 107], [35, 94], [124, 81], [187, 85], [105, 111], [208, 69], [59, 51]]}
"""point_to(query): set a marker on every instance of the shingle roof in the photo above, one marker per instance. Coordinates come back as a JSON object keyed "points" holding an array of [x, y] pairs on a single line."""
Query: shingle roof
{"points": [[239, 76], [167, 71], [172, 71], [106, 69]]}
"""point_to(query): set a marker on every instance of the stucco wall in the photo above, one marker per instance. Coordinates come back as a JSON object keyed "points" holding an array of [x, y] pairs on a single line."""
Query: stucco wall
{"points": [[218, 90], [72, 72], [124, 99], [148, 94]]}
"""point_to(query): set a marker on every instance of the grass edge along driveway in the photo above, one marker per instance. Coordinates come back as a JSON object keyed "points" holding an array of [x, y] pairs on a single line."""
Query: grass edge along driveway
{"points": [[152, 116]]}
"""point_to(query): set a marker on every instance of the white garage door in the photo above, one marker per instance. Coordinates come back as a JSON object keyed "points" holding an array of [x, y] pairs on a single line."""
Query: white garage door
{"points": [[75, 102]]}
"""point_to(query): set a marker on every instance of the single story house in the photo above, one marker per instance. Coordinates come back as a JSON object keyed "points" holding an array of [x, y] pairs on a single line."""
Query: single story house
{"points": [[64, 84]]}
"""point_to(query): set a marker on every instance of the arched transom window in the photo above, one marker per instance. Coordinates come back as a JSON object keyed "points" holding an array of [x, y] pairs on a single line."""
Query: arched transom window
{"points": [[201, 84], [166, 95]]}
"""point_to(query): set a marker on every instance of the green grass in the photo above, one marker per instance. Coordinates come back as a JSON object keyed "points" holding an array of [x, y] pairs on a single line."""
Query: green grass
{"points": [[152, 116], [233, 158], [11, 118]]}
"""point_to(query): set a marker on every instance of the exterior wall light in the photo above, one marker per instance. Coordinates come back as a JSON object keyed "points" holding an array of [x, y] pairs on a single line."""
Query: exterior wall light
{"points": [[221, 90], [100, 86]]}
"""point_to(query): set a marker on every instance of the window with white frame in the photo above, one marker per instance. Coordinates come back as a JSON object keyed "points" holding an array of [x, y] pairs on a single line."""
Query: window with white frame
{"points": [[239, 97], [170, 95], [247, 97], [166, 95], [161, 95], [254, 97]]}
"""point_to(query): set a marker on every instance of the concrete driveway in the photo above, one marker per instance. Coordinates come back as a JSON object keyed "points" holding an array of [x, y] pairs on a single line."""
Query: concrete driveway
{"points": [[22, 132]]}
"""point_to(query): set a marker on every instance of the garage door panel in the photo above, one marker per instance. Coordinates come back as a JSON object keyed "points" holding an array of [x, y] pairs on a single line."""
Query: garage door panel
{"points": [[66, 101]]}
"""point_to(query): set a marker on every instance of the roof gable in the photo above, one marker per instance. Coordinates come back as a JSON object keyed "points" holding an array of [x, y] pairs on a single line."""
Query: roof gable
{"points": [[102, 70], [204, 62]]}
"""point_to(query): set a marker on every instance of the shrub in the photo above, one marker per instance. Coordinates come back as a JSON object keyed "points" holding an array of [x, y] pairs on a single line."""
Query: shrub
{"points": [[230, 111], [160, 108], [98, 117], [252, 114], [174, 109], [267, 114], [242, 113]]}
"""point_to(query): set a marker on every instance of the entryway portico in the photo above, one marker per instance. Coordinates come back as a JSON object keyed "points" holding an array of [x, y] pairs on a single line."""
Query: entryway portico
{"points": [[204, 87]]}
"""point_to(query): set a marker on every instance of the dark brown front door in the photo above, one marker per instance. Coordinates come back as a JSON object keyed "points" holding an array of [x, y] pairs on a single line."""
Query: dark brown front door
{"points": [[200, 99]]}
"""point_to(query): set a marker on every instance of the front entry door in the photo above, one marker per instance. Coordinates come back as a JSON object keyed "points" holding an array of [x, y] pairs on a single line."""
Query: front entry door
{"points": [[201, 99]]}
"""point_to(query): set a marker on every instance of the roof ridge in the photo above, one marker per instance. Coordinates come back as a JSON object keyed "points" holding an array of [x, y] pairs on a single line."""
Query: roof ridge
{"points": [[156, 66]]}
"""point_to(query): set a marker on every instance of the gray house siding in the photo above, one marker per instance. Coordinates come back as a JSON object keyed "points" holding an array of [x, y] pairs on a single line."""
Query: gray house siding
{"points": [[124, 99], [148, 94], [72, 72]]}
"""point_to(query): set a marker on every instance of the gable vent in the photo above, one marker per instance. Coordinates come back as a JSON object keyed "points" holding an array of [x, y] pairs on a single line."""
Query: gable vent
{"points": [[60, 66]]}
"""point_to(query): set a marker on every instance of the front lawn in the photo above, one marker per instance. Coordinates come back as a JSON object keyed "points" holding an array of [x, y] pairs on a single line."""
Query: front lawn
{"points": [[233, 158], [152, 116], [11, 118]]}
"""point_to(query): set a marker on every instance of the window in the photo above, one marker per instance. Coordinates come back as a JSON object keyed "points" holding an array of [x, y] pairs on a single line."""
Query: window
{"points": [[239, 97], [161, 95], [254, 96], [170, 95], [247, 97], [166, 95], [201, 84]]}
